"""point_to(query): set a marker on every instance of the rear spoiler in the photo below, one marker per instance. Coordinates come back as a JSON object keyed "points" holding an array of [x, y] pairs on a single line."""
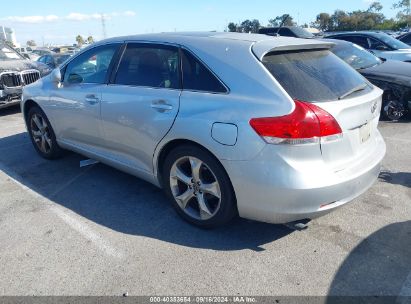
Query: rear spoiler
{"points": [[281, 44]]}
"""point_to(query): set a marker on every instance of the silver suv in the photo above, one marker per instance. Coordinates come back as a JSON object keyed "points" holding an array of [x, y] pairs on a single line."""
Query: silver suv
{"points": [[273, 129]]}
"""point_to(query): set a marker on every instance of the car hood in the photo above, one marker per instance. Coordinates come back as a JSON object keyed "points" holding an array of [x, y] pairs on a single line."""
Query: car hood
{"points": [[390, 70], [22, 65]]}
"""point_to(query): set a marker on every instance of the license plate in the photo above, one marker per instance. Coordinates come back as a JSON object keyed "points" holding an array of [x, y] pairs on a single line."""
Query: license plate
{"points": [[365, 132]]}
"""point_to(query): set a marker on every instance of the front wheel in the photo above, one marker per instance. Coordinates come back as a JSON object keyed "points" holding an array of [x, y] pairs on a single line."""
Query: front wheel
{"points": [[42, 135], [199, 187]]}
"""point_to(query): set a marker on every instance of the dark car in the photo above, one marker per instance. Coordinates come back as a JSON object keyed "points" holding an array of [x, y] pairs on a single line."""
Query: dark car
{"points": [[394, 77], [380, 44], [54, 60], [16, 72], [406, 38], [288, 31]]}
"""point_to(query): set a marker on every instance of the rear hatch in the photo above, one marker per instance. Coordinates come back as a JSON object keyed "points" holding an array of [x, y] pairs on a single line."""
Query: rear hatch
{"points": [[317, 77]]}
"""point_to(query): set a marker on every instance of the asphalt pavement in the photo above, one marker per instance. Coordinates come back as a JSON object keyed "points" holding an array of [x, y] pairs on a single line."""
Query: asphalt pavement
{"points": [[66, 230]]}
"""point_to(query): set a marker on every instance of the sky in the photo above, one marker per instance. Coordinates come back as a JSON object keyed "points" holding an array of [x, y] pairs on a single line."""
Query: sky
{"points": [[59, 22]]}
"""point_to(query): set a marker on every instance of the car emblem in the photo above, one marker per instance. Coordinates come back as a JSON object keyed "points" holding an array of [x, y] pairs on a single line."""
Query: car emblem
{"points": [[374, 107]]}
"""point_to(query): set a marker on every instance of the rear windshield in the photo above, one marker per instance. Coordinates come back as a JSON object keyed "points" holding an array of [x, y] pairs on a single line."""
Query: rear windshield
{"points": [[315, 76]]}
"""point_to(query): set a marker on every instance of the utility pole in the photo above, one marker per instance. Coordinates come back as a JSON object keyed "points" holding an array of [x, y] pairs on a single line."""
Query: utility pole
{"points": [[103, 25]]}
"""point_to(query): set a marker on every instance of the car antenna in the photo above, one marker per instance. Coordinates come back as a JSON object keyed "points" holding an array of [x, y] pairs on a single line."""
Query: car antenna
{"points": [[286, 16]]}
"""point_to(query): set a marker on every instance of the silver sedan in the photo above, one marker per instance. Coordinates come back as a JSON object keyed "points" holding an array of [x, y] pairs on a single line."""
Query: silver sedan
{"points": [[273, 129]]}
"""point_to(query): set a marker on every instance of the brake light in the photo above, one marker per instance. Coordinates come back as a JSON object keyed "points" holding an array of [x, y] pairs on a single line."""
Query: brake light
{"points": [[306, 124]]}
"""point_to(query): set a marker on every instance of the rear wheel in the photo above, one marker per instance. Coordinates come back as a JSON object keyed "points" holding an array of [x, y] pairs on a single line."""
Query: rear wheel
{"points": [[42, 134], [199, 187], [392, 108]]}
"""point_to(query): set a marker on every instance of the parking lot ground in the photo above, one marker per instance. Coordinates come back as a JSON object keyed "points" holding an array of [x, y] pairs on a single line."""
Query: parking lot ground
{"points": [[66, 230]]}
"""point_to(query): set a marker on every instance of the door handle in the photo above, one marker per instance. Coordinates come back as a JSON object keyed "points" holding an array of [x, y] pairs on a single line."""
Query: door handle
{"points": [[92, 99], [161, 106]]}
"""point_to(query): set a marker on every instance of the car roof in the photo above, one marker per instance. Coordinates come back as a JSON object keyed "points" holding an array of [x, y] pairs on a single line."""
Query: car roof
{"points": [[260, 44], [365, 33]]}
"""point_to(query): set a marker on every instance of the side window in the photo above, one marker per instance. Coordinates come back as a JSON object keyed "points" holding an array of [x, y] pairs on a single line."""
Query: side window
{"points": [[197, 77], [406, 39], [49, 59], [361, 41], [92, 66], [149, 65], [376, 45], [287, 32]]}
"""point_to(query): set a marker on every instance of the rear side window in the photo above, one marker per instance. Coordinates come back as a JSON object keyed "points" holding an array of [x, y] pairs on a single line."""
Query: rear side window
{"points": [[314, 76], [359, 40], [156, 66], [197, 77]]}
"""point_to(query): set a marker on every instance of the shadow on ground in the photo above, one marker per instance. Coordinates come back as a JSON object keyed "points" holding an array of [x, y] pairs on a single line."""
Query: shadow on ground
{"points": [[378, 266], [122, 202], [396, 178], [10, 111]]}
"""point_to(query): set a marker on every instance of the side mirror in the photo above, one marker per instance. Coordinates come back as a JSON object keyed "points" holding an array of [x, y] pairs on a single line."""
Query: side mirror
{"points": [[75, 78], [56, 76], [26, 56]]}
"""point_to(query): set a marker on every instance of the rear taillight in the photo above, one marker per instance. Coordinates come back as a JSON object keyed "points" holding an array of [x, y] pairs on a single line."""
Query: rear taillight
{"points": [[305, 125]]}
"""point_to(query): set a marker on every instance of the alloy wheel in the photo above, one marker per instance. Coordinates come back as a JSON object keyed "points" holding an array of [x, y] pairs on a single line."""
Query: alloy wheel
{"points": [[195, 188], [41, 133]]}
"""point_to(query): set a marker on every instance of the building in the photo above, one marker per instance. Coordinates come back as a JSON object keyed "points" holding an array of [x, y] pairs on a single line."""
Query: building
{"points": [[8, 34]]}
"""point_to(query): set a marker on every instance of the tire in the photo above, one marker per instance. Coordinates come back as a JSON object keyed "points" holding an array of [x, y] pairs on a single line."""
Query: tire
{"points": [[392, 109], [205, 199], [42, 135]]}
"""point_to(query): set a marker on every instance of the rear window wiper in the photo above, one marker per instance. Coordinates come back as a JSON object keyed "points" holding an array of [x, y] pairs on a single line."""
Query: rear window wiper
{"points": [[353, 90]]}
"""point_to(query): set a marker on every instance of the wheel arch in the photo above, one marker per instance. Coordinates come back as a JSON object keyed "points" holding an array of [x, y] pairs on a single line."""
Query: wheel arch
{"points": [[172, 144], [27, 106]]}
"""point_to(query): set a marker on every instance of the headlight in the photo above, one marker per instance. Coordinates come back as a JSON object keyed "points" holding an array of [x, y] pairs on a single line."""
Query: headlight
{"points": [[45, 71]]}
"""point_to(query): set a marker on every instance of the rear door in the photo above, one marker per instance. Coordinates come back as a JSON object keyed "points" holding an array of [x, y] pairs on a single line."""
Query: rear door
{"points": [[141, 102]]}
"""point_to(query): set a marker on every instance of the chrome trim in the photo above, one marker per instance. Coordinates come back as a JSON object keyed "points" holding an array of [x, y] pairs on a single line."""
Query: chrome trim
{"points": [[21, 77]]}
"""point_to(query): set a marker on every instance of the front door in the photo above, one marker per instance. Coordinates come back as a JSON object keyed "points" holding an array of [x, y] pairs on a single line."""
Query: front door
{"points": [[76, 102]]}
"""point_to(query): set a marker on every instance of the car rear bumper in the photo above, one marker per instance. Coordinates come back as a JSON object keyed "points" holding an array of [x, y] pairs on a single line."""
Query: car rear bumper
{"points": [[282, 191]]}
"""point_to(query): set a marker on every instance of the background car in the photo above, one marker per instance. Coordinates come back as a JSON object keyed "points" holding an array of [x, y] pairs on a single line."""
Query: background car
{"points": [[380, 44], [27, 52], [54, 60], [390, 75], [273, 129], [42, 51], [287, 31], [16, 72], [406, 38]]}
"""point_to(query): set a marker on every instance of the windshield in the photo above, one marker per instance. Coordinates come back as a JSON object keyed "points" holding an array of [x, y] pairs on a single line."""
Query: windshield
{"points": [[7, 53], [392, 42], [61, 59], [302, 33], [355, 56], [314, 76]]}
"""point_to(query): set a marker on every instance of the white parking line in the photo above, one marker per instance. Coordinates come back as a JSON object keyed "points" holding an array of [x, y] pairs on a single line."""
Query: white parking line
{"points": [[66, 215]]}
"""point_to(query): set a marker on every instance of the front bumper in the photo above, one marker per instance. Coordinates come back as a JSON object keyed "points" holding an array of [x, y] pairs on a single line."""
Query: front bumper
{"points": [[10, 97], [279, 191]]}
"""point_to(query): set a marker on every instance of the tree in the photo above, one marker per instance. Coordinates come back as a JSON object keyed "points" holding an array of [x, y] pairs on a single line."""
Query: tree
{"points": [[404, 7], [248, 26], [31, 43], [323, 22], [90, 40], [80, 40], [279, 19], [375, 7], [232, 27]]}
